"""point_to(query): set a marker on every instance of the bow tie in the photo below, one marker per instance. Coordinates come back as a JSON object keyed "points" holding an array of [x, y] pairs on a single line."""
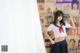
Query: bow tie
{"points": [[61, 29]]}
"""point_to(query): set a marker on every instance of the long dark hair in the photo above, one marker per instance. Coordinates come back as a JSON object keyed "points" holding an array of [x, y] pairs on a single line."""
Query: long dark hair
{"points": [[56, 15]]}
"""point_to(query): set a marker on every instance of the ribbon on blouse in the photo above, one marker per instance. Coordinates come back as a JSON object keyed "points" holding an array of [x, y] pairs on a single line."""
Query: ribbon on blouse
{"points": [[61, 29]]}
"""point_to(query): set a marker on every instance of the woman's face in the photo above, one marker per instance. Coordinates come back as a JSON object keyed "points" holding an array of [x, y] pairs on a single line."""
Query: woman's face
{"points": [[59, 18]]}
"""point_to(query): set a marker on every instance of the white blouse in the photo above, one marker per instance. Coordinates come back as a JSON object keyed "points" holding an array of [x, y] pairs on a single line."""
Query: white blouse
{"points": [[56, 31]]}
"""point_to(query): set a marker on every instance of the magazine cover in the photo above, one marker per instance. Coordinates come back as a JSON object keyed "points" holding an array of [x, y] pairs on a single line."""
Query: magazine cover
{"points": [[60, 22]]}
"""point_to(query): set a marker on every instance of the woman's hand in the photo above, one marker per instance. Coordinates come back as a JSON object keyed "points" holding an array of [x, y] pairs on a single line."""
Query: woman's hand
{"points": [[52, 42]]}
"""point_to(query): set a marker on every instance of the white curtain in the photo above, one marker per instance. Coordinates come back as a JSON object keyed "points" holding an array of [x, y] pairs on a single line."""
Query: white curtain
{"points": [[20, 26]]}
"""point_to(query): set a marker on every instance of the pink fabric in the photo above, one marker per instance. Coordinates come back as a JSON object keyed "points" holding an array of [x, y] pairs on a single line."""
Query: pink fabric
{"points": [[61, 29]]}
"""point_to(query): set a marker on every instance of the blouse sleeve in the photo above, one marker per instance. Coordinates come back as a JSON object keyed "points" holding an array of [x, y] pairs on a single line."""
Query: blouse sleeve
{"points": [[50, 27], [67, 25]]}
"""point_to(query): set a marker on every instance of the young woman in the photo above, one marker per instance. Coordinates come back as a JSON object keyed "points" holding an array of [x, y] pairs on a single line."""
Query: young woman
{"points": [[58, 30]]}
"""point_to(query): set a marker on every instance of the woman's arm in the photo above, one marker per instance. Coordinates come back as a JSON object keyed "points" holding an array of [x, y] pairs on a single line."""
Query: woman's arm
{"points": [[49, 33], [72, 23]]}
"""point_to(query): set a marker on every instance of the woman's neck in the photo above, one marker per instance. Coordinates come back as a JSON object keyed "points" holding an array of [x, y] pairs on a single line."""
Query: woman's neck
{"points": [[58, 23]]}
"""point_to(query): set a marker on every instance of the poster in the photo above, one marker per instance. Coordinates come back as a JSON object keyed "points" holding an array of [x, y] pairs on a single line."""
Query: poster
{"points": [[71, 9]]}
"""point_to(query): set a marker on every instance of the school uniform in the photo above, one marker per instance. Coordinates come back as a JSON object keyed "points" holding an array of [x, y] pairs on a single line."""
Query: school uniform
{"points": [[60, 35]]}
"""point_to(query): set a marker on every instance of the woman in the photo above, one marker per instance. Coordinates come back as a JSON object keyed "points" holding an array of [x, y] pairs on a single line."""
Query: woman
{"points": [[58, 30]]}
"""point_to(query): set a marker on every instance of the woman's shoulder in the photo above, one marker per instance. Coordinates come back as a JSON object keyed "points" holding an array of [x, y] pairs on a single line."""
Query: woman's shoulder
{"points": [[51, 24], [50, 27]]}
